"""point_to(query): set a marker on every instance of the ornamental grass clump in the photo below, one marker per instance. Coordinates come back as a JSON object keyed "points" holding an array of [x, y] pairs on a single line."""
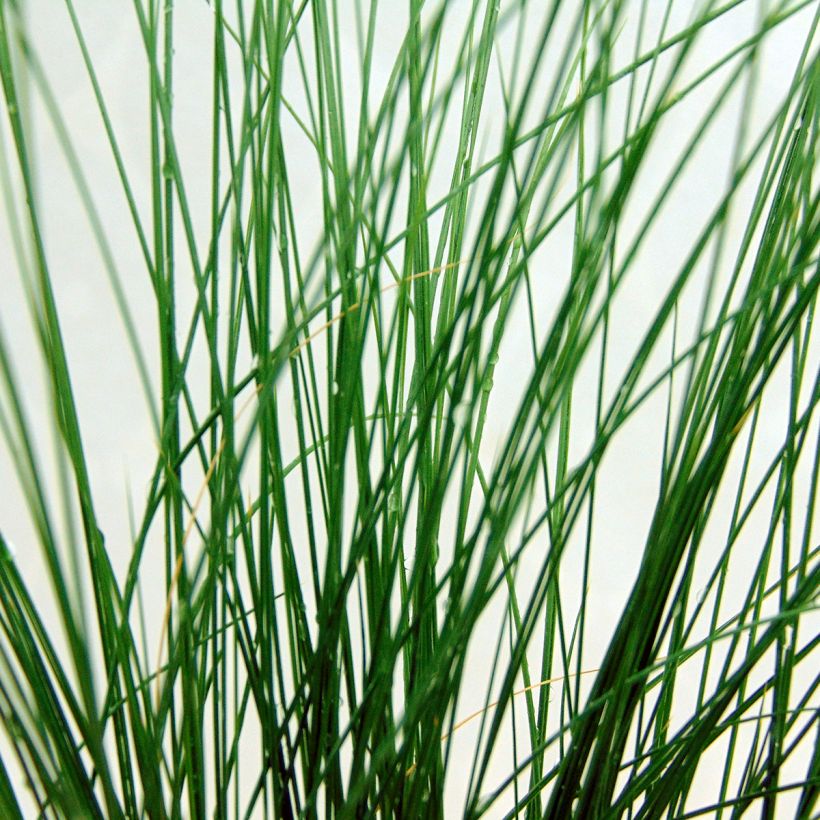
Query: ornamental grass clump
{"points": [[409, 409]]}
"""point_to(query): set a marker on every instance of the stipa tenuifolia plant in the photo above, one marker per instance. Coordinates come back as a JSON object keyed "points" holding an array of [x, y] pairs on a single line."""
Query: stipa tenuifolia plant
{"points": [[463, 364]]}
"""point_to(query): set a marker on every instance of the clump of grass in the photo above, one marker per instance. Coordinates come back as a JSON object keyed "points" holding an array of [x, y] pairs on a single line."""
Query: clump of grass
{"points": [[485, 460]]}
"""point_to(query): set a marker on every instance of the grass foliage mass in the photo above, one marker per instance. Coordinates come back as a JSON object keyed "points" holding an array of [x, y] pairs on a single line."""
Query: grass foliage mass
{"points": [[473, 354]]}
